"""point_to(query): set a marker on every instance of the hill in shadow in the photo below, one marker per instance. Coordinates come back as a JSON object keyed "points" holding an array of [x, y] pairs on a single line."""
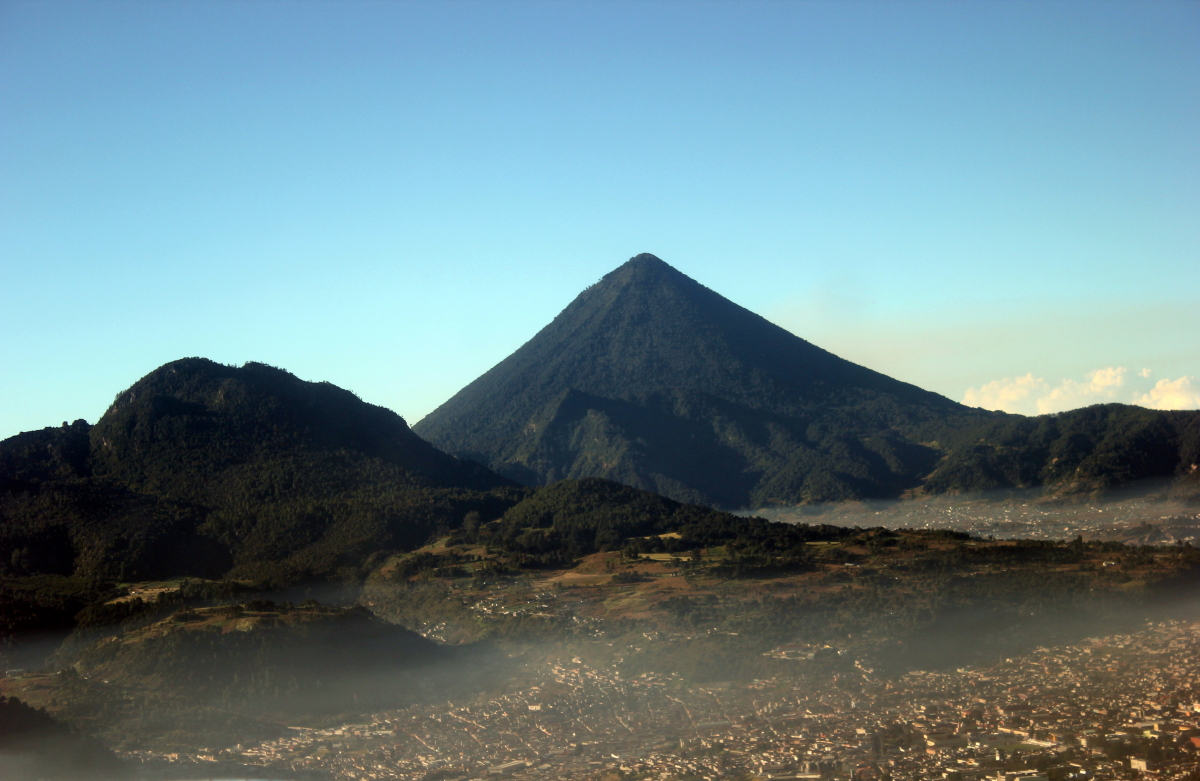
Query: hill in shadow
{"points": [[209, 470]]}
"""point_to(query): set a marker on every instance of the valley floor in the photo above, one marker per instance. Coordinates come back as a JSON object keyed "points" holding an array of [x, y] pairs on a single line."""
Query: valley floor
{"points": [[904, 655]]}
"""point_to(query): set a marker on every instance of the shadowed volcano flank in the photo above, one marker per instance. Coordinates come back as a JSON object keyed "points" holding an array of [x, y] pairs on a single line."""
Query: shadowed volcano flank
{"points": [[652, 379]]}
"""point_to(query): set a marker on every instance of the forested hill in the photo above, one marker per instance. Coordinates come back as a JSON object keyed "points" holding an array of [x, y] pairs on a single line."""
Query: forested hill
{"points": [[651, 379], [1087, 452], [574, 518], [204, 469], [195, 414]]}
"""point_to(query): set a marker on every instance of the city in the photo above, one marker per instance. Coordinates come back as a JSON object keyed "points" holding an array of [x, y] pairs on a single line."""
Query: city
{"points": [[1117, 707]]}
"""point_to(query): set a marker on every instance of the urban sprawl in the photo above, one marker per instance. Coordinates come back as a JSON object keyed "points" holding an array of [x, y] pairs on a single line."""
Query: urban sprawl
{"points": [[1116, 707]]}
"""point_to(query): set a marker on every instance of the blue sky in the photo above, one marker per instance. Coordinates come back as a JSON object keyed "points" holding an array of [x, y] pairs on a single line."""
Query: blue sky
{"points": [[996, 201]]}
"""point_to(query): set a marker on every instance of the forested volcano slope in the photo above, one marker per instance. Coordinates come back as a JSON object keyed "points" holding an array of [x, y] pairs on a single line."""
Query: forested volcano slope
{"points": [[1088, 452], [203, 469], [651, 379]]}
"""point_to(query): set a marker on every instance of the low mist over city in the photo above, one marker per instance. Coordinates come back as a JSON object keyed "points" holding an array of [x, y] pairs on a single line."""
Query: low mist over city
{"points": [[599, 391]]}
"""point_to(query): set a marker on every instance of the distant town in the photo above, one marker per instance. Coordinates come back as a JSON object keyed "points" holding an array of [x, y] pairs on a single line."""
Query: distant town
{"points": [[1148, 521], [1117, 707]]}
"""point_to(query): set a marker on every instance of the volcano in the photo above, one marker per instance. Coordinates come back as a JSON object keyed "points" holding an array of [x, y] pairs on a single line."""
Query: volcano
{"points": [[651, 379]]}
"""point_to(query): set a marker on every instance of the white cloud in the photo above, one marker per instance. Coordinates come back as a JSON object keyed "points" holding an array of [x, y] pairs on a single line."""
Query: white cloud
{"points": [[1102, 385], [1172, 394], [1030, 395], [1011, 394]]}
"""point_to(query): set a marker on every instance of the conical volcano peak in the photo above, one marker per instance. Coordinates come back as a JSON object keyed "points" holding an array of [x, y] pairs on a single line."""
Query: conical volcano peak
{"points": [[650, 378], [645, 268]]}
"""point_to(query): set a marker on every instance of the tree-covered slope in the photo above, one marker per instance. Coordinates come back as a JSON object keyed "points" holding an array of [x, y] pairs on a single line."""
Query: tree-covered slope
{"points": [[203, 469], [574, 518], [1089, 451]]}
